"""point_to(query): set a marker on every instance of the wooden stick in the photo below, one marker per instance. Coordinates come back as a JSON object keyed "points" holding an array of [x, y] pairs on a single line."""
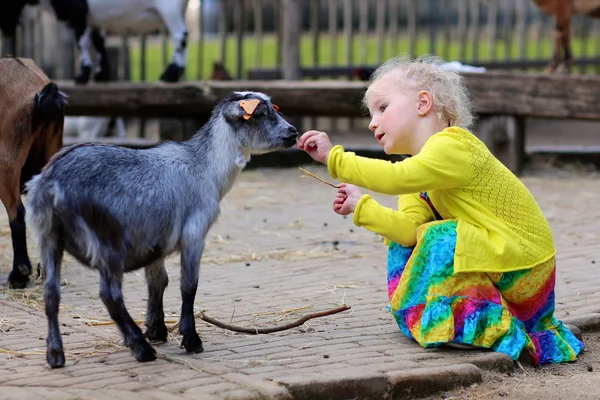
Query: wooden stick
{"points": [[317, 178], [256, 331]]}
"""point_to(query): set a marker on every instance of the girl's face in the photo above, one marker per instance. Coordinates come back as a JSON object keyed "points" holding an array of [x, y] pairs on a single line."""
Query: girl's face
{"points": [[394, 115]]}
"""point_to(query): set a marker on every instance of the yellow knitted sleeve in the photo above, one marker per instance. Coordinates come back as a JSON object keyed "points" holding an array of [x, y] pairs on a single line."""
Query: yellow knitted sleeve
{"points": [[442, 163], [396, 226]]}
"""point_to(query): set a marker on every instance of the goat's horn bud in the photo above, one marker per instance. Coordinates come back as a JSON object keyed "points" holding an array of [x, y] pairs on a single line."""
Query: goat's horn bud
{"points": [[249, 106]]}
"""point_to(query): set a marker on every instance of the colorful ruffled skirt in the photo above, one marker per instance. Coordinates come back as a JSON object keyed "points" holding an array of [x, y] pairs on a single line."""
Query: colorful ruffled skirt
{"points": [[506, 312]]}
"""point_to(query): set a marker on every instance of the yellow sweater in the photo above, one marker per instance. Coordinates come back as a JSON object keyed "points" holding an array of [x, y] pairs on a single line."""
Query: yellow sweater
{"points": [[500, 226]]}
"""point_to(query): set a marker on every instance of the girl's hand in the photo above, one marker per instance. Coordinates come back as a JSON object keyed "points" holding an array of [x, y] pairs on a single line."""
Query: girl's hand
{"points": [[316, 144], [347, 198]]}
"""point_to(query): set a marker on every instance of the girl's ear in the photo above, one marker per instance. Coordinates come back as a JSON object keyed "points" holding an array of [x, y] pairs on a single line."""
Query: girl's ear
{"points": [[424, 102]]}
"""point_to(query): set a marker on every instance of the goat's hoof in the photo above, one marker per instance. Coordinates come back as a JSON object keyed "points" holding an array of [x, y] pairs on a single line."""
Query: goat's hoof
{"points": [[144, 352], [84, 76], [19, 277], [172, 73], [192, 343], [102, 76], [55, 358], [157, 332]]}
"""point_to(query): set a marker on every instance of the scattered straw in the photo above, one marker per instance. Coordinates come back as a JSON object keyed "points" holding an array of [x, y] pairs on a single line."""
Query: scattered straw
{"points": [[105, 323], [7, 324], [30, 297], [280, 255]]}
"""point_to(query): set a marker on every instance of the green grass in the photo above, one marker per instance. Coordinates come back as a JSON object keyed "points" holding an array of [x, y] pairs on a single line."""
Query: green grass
{"points": [[362, 53]]}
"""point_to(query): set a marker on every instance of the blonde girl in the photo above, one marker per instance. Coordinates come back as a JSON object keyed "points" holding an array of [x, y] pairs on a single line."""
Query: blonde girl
{"points": [[471, 259]]}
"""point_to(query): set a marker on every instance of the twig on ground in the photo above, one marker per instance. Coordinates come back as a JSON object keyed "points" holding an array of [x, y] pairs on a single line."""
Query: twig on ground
{"points": [[256, 331]]}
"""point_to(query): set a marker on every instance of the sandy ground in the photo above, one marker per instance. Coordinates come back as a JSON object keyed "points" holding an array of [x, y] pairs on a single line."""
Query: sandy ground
{"points": [[578, 380]]}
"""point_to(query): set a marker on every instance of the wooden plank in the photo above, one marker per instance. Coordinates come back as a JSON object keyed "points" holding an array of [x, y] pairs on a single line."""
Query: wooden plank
{"points": [[292, 29], [496, 92], [314, 30], [474, 31], [238, 23], [380, 28], [332, 15], [258, 30], [492, 21], [411, 9], [348, 34], [393, 27], [200, 60], [363, 26], [223, 31]]}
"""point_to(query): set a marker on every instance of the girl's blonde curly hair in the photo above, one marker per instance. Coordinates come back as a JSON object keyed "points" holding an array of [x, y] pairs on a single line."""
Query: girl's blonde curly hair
{"points": [[448, 88]]}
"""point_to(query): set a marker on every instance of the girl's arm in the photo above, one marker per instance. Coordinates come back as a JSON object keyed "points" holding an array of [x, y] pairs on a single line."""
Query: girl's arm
{"points": [[396, 226], [443, 163]]}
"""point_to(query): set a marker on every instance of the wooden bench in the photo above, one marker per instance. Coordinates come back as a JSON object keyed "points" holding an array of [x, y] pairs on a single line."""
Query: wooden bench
{"points": [[502, 100]]}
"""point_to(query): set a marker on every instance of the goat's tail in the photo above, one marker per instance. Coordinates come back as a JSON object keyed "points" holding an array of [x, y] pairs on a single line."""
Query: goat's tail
{"points": [[41, 200], [49, 107]]}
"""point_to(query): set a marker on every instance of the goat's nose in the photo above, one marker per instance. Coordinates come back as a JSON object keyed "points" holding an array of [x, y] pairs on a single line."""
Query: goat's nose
{"points": [[292, 129]]}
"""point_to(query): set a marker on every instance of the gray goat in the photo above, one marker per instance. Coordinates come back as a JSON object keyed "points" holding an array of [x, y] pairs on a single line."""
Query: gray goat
{"points": [[117, 209]]}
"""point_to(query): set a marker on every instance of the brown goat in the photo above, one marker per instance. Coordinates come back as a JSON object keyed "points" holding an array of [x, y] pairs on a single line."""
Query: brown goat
{"points": [[31, 130], [562, 10]]}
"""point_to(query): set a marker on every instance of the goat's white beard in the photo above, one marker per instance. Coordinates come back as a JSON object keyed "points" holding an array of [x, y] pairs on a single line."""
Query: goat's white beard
{"points": [[241, 160]]}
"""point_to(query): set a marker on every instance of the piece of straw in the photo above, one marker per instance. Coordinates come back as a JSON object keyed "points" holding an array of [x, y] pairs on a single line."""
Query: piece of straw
{"points": [[317, 178]]}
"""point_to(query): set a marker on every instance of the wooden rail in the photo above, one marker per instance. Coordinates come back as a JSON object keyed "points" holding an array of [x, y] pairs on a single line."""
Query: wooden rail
{"points": [[518, 94], [502, 101]]}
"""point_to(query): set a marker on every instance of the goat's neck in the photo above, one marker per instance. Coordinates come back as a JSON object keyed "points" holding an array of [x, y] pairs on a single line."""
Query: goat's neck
{"points": [[220, 154]]}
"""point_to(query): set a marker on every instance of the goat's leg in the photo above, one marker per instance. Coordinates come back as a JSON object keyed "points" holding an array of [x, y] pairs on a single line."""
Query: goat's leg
{"points": [[157, 279], [191, 254], [566, 43], [51, 252], [175, 22], [562, 11], [84, 41], [111, 277], [103, 70], [11, 198], [556, 55]]}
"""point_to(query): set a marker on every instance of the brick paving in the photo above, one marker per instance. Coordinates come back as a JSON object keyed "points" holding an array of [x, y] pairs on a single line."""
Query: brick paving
{"points": [[276, 253]]}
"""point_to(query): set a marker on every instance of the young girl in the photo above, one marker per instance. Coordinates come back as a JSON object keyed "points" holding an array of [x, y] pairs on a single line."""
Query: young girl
{"points": [[471, 255]]}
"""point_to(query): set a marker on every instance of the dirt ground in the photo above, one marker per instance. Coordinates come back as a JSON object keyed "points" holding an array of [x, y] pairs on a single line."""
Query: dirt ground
{"points": [[577, 380]]}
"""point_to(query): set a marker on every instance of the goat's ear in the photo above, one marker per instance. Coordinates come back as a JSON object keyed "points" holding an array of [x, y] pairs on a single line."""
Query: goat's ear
{"points": [[249, 106]]}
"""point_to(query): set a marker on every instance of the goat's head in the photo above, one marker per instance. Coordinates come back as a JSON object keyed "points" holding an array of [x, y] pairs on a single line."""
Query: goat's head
{"points": [[257, 123]]}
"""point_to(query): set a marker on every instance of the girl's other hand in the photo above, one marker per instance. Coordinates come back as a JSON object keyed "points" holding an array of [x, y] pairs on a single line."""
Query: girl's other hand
{"points": [[316, 144], [347, 198]]}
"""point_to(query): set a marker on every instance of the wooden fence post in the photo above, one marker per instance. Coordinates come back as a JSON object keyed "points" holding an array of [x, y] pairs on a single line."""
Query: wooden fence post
{"points": [[291, 18], [290, 47]]}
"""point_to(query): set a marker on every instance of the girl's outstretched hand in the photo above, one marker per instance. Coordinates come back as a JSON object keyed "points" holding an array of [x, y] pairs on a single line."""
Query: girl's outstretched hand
{"points": [[316, 144], [347, 198]]}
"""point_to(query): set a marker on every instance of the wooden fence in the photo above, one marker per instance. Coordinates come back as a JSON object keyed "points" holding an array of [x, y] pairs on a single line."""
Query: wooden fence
{"points": [[314, 39], [502, 101], [248, 35]]}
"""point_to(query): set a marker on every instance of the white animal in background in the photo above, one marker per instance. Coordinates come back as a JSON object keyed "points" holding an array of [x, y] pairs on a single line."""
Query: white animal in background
{"points": [[88, 18], [90, 128]]}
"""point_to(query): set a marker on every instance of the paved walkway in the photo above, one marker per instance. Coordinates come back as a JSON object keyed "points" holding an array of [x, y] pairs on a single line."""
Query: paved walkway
{"points": [[276, 253]]}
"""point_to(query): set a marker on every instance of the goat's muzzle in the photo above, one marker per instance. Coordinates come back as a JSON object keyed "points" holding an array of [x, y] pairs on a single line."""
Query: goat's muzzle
{"points": [[292, 136]]}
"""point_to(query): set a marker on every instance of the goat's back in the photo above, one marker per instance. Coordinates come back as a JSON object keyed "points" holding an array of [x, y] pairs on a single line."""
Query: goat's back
{"points": [[143, 196], [31, 121], [20, 80]]}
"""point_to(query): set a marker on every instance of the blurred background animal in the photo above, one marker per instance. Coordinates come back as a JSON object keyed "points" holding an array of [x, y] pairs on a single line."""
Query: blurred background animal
{"points": [[31, 131], [563, 10]]}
